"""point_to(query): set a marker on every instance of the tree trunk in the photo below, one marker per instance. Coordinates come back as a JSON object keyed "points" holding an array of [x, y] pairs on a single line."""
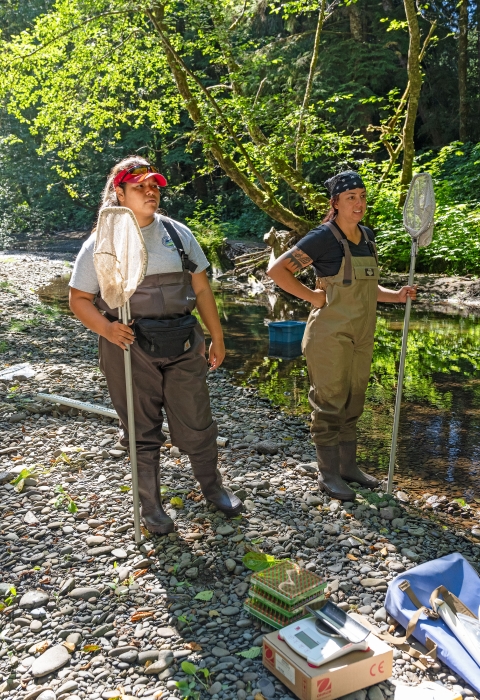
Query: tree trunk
{"points": [[478, 48], [415, 80], [462, 69], [356, 28]]}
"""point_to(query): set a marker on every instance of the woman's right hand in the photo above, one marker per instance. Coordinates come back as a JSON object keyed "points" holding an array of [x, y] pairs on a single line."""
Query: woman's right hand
{"points": [[119, 334], [318, 298]]}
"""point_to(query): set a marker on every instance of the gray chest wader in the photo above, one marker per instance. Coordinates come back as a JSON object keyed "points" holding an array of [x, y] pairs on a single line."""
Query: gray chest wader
{"points": [[338, 347], [174, 384]]}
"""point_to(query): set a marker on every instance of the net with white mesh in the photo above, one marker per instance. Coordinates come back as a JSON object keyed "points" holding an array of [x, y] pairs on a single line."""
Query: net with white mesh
{"points": [[419, 209], [120, 256]]}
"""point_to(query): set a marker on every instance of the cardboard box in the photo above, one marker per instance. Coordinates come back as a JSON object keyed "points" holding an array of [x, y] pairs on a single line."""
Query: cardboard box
{"points": [[331, 680]]}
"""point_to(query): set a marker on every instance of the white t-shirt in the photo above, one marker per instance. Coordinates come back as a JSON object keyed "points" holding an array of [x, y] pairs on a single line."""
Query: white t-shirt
{"points": [[162, 255]]}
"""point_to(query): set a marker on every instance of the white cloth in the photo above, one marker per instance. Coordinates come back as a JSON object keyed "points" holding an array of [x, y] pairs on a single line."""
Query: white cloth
{"points": [[162, 255]]}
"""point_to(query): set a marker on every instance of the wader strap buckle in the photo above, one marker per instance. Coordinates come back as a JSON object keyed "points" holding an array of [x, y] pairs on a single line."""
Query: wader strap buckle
{"points": [[343, 240], [172, 231]]}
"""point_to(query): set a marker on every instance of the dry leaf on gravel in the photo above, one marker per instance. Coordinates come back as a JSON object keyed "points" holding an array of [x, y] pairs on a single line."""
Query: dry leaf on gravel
{"points": [[141, 615]]}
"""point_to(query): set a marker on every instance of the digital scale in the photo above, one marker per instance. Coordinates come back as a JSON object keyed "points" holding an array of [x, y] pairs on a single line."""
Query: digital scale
{"points": [[329, 634]]}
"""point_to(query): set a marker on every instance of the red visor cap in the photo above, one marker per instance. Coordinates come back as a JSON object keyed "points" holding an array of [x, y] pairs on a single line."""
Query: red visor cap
{"points": [[121, 177]]}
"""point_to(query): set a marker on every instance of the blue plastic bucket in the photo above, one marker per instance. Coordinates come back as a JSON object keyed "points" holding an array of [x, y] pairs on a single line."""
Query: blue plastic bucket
{"points": [[285, 338]]}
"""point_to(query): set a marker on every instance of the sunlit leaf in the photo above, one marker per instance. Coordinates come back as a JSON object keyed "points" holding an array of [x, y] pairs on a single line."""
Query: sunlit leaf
{"points": [[251, 653], [188, 668], [204, 595]]}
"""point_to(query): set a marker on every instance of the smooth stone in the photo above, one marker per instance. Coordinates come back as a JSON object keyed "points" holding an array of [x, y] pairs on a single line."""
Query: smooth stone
{"points": [[30, 518], [413, 556], [5, 589], [219, 652], [365, 609], [47, 695], [374, 693], [165, 659], [380, 615], [389, 513], [230, 565], [230, 610], [34, 599], [95, 540], [225, 530], [119, 553], [372, 582], [35, 692], [84, 593], [241, 588], [74, 638], [35, 626], [123, 572], [98, 551], [38, 613], [266, 687], [396, 566], [102, 630], [67, 687], [192, 572], [165, 632], [50, 661], [116, 651], [67, 586], [398, 522], [129, 657], [149, 655], [313, 501], [215, 688]]}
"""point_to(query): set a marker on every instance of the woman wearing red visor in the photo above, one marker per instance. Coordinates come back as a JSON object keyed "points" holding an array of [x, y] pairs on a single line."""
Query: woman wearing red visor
{"points": [[175, 283]]}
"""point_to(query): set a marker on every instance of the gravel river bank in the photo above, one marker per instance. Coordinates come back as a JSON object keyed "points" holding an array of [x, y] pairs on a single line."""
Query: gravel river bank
{"points": [[88, 614]]}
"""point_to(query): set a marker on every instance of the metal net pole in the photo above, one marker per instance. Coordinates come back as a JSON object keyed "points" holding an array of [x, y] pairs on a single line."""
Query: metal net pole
{"points": [[124, 316], [401, 369]]}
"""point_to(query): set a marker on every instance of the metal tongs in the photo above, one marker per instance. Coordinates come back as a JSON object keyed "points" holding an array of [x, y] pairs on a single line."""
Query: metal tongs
{"points": [[333, 621]]}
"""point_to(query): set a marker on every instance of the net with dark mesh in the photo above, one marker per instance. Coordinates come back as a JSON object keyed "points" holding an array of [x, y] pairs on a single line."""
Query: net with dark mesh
{"points": [[419, 209], [120, 256]]}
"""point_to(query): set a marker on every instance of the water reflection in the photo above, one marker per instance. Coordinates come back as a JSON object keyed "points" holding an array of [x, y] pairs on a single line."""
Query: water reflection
{"points": [[440, 427]]}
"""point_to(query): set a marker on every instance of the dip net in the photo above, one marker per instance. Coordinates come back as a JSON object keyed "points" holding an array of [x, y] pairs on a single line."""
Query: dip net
{"points": [[419, 209], [120, 256]]}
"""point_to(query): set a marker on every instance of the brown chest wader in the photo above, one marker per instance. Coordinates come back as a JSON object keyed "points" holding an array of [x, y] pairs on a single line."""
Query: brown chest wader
{"points": [[174, 384], [338, 347]]}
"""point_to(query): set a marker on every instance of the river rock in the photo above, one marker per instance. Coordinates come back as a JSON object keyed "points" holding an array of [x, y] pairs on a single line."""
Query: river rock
{"points": [[266, 447], [34, 599], [219, 652], [225, 530], [47, 695], [50, 661], [165, 632], [413, 556], [84, 593], [165, 659], [373, 582], [230, 610]]}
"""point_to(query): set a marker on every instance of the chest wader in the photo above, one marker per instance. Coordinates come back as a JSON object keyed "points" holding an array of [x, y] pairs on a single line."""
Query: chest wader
{"points": [[174, 384], [338, 346]]}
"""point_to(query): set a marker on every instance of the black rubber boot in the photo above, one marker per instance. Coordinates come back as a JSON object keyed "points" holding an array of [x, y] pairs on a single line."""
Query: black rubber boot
{"points": [[210, 480], [152, 515], [349, 469], [329, 479]]}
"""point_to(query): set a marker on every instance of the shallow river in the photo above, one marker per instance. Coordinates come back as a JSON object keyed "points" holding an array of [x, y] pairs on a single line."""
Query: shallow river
{"points": [[439, 440]]}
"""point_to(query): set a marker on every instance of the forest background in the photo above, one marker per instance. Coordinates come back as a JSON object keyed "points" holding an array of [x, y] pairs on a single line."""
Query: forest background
{"points": [[246, 106]]}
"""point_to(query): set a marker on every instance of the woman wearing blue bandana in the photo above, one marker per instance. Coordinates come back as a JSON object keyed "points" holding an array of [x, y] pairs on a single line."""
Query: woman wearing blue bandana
{"points": [[338, 340]]}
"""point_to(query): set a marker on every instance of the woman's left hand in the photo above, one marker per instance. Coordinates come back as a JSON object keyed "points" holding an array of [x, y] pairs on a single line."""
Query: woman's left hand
{"points": [[406, 292], [216, 354]]}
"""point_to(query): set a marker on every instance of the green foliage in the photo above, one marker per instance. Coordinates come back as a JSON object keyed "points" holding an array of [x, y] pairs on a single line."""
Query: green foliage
{"points": [[64, 499], [187, 687], [204, 595], [251, 653], [455, 248], [258, 561]]}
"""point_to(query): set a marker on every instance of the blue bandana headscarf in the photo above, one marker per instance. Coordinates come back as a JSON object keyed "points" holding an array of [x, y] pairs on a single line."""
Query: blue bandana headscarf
{"points": [[348, 180]]}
